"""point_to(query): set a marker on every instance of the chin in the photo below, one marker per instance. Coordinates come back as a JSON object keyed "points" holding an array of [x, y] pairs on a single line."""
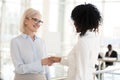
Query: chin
{"points": [[35, 30], [78, 31]]}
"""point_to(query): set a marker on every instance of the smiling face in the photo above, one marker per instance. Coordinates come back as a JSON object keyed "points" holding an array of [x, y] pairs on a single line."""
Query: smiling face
{"points": [[32, 24]]}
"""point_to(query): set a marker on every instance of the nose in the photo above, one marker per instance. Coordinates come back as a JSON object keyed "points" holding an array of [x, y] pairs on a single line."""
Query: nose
{"points": [[37, 24]]}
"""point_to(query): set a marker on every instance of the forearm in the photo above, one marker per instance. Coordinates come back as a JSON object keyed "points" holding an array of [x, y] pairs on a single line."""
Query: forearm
{"points": [[29, 68]]}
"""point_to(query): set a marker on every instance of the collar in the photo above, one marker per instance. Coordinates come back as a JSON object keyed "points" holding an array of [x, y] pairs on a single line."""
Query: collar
{"points": [[25, 36], [110, 51], [90, 32]]}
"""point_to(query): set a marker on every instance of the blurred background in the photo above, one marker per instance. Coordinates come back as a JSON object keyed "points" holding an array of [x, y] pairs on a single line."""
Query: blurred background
{"points": [[57, 30]]}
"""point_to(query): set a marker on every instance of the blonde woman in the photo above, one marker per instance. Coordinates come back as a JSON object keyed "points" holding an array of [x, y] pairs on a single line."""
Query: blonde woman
{"points": [[28, 50]]}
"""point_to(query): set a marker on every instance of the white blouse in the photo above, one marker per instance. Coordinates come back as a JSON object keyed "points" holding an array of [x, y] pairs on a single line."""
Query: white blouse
{"points": [[82, 58], [27, 54]]}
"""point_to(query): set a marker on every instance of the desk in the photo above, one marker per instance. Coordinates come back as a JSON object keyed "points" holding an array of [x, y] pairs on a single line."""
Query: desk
{"points": [[108, 69], [109, 59], [106, 59]]}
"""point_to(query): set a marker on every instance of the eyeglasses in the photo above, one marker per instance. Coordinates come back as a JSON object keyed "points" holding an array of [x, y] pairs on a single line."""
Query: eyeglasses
{"points": [[37, 20]]}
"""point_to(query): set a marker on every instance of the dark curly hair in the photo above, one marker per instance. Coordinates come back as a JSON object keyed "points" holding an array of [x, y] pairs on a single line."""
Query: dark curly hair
{"points": [[86, 17]]}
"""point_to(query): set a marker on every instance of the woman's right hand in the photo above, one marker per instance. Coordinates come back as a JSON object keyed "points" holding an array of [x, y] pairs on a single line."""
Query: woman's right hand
{"points": [[55, 59], [47, 61]]}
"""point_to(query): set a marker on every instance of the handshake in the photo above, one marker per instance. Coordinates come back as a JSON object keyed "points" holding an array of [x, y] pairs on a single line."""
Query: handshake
{"points": [[50, 60]]}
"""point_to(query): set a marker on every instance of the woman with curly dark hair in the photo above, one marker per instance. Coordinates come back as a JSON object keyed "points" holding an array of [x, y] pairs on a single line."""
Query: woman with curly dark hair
{"points": [[83, 56]]}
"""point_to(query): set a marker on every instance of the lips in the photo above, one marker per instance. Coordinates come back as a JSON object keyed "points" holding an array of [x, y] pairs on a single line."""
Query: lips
{"points": [[35, 26]]}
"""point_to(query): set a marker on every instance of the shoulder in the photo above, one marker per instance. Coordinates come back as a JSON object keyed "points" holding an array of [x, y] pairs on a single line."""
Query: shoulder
{"points": [[114, 51], [107, 53], [81, 43], [16, 38], [81, 40]]}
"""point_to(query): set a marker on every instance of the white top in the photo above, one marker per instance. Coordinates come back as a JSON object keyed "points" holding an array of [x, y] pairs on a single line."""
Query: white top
{"points": [[109, 52], [27, 54], [82, 58]]}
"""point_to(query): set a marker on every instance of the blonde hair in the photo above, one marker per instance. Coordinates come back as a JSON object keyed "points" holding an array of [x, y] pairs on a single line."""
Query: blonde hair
{"points": [[28, 13]]}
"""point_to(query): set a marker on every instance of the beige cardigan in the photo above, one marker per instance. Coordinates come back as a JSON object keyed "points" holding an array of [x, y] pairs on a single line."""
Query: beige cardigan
{"points": [[29, 77]]}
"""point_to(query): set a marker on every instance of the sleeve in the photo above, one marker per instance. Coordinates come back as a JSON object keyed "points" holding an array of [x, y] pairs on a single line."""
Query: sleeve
{"points": [[81, 61], [115, 54], [47, 72], [20, 66], [106, 55], [65, 59]]}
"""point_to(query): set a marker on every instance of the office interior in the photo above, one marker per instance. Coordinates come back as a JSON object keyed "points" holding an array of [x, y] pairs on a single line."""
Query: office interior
{"points": [[57, 30]]}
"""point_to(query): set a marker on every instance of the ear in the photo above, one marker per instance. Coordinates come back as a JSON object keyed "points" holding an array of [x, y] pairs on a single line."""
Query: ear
{"points": [[75, 23], [26, 21], [76, 26]]}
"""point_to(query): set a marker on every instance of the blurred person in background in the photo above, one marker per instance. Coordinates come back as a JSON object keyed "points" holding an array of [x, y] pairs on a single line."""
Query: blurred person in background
{"points": [[110, 54]]}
